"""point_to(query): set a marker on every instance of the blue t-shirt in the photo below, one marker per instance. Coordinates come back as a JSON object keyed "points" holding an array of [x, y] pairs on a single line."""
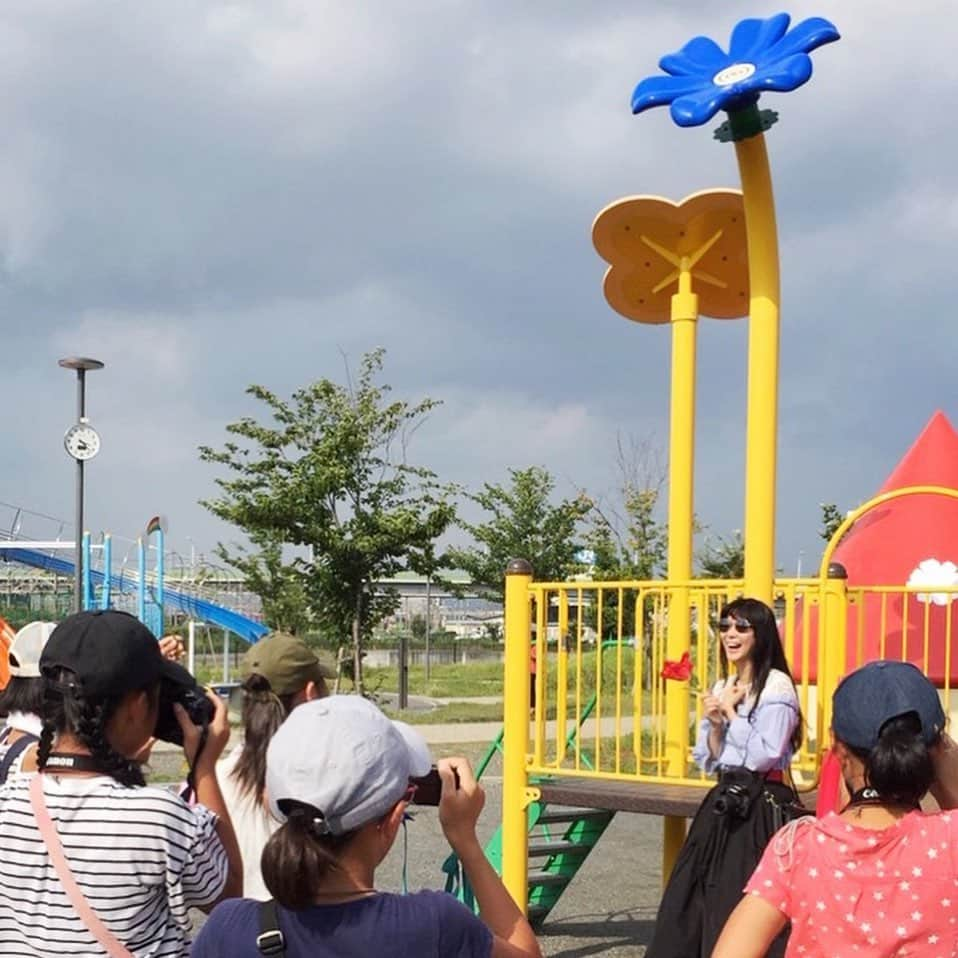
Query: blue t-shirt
{"points": [[426, 924]]}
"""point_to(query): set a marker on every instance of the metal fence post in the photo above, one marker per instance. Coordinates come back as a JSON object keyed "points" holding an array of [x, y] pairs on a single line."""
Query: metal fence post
{"points": [[403, 671]]}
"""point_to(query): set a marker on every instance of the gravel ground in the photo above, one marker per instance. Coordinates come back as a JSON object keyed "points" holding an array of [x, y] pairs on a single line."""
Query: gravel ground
{"points": [[608, 909]]}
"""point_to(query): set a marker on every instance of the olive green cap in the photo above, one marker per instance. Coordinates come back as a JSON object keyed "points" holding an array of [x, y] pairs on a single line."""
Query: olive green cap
{"points": [[286, 662]]}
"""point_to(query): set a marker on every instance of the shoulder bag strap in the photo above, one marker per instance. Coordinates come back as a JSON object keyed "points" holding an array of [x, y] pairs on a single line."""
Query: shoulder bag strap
{"points": [[270, 940], [14, 752], [86, 914]]}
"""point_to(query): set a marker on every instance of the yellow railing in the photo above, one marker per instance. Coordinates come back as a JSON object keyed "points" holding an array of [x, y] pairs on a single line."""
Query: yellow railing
{"points": [[601, 646], [601, 702]]}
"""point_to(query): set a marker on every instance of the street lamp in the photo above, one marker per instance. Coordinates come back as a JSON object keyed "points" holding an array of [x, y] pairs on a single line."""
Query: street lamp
{"points": [[82, 442]]}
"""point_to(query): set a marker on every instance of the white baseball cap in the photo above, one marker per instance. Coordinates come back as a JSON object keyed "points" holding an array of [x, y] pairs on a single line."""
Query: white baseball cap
{"points": [[26, 649], [344, 758]]}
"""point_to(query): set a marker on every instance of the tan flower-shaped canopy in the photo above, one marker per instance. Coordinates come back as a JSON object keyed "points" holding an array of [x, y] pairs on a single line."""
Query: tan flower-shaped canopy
{"points": [[650, 240]]}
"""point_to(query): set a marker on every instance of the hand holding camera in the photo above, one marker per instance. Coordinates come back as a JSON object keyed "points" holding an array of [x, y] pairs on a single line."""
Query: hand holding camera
{"points": [[217, 729], [461, 803]]}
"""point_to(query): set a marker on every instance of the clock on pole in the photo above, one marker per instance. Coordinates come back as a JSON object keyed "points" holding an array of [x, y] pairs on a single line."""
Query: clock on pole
{"points": [[82, 441]]}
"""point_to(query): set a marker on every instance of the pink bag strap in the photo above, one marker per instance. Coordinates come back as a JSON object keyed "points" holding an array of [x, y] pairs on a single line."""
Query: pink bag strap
{"points": [[48, 832]]}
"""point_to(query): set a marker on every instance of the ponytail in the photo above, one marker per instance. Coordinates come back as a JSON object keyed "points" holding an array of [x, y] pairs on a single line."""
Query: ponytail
{"points": [[899, 767], [263, 713], [298, 857]]}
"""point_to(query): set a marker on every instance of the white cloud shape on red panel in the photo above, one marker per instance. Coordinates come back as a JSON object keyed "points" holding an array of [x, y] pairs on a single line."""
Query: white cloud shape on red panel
{"points": [[934, 574]]}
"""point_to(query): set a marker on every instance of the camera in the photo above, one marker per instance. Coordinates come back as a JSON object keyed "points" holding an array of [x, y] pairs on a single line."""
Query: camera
{"points": [[184, 691], [734, 801], [429, 787]]}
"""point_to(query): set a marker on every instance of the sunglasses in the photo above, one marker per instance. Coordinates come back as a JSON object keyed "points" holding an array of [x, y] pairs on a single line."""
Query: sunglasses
{"points": [[740, 625]]}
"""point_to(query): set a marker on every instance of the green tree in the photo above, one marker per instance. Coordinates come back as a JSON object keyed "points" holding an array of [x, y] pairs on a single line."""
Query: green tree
{"points": [[278, 584], [522, 523], [329, 473], [625, 533], [832, 518], [723, 557]]}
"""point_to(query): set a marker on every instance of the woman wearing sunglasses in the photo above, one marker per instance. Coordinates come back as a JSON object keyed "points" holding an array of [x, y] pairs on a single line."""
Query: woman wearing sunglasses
{"points": [[752, 725]]}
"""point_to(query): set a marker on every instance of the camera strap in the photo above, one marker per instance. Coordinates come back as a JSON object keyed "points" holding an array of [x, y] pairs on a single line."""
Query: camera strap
{"points": [[190, 791], [71, 762], [870, 796]]}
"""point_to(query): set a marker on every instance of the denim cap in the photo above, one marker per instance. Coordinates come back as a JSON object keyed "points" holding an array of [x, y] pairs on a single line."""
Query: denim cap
{"points": [[342, 757], [878, 692]]}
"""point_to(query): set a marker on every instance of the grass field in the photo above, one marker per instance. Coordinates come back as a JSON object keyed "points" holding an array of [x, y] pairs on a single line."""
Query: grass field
{"points": [[451, 713], [485, 678], [446, 680]]}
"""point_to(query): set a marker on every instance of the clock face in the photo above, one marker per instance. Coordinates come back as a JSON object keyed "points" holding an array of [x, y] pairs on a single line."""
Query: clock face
{"points": [[82, 441]]}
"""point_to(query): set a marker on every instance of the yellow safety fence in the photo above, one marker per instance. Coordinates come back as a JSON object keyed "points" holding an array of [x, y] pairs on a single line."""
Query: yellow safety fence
{"points": [[601, 706]]}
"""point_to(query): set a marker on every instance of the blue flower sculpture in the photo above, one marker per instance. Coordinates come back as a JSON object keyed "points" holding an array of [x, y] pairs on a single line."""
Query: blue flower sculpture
{"points": [[763, 55]]}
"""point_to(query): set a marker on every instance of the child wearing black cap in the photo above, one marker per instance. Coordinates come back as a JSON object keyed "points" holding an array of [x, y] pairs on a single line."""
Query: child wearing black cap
{"points": [[94, 860], [881, 877]]}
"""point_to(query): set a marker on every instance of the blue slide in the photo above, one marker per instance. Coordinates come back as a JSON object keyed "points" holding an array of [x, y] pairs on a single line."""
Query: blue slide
{"points": [[202, 609]]}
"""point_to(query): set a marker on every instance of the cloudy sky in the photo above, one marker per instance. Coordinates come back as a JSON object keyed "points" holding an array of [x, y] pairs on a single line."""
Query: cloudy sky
{"points": [[205, 195]]}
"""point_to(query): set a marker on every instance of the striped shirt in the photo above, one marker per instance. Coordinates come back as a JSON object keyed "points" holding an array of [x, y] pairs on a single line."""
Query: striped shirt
{"points": [[141, 856]]}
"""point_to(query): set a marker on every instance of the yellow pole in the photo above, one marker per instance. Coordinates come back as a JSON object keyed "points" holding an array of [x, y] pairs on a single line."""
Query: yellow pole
{"points": [[515, 745], [761, 429], [684, 313], [832, 646], [562, 678]]}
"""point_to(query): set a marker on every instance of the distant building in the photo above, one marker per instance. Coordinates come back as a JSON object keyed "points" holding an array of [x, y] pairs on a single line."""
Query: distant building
{"points": [[466, 616]]}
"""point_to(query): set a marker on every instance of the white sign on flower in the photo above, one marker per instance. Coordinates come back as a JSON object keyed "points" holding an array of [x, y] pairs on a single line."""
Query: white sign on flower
{"points": [[932, 574]]}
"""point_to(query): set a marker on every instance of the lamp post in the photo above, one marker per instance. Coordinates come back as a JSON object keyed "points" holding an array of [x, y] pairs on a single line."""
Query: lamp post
{"points": [[82, 442]]}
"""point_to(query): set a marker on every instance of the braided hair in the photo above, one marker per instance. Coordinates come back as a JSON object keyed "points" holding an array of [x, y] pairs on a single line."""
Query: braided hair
{"points": [[67, 709]]}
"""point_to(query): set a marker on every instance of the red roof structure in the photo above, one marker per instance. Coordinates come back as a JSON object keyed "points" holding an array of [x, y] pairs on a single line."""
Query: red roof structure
{"points": [[913, 538]]}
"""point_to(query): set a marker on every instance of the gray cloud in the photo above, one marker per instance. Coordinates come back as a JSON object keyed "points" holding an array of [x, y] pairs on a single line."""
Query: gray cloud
{"points": [[211, 194]]}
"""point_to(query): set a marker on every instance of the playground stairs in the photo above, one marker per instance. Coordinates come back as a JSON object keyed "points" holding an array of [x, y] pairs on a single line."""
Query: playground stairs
{"points": [[565, 824], [560, 840]]}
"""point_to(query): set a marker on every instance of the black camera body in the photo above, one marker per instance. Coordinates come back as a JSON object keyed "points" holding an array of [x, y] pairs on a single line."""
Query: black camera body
{"points": [[192, 697], [429, 787], [734, 801]]}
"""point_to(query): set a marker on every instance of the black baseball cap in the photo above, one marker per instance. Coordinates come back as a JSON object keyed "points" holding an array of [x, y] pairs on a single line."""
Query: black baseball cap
{"points": [[110, 653], [878, 692]]}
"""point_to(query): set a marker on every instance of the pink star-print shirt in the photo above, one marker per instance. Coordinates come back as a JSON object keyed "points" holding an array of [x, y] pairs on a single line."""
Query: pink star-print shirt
{"points": [[856, 892]]}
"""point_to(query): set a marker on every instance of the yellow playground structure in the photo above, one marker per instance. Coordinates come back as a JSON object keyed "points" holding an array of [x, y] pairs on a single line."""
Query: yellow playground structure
{"points": [[607, 731]]}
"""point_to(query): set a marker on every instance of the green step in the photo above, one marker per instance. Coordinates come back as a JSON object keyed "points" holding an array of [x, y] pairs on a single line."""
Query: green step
{"points": [[565, 851], [540, 849]]}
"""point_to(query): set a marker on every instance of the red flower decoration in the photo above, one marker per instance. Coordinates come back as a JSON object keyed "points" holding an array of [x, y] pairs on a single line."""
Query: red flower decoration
{"points": [[680, 671]]}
